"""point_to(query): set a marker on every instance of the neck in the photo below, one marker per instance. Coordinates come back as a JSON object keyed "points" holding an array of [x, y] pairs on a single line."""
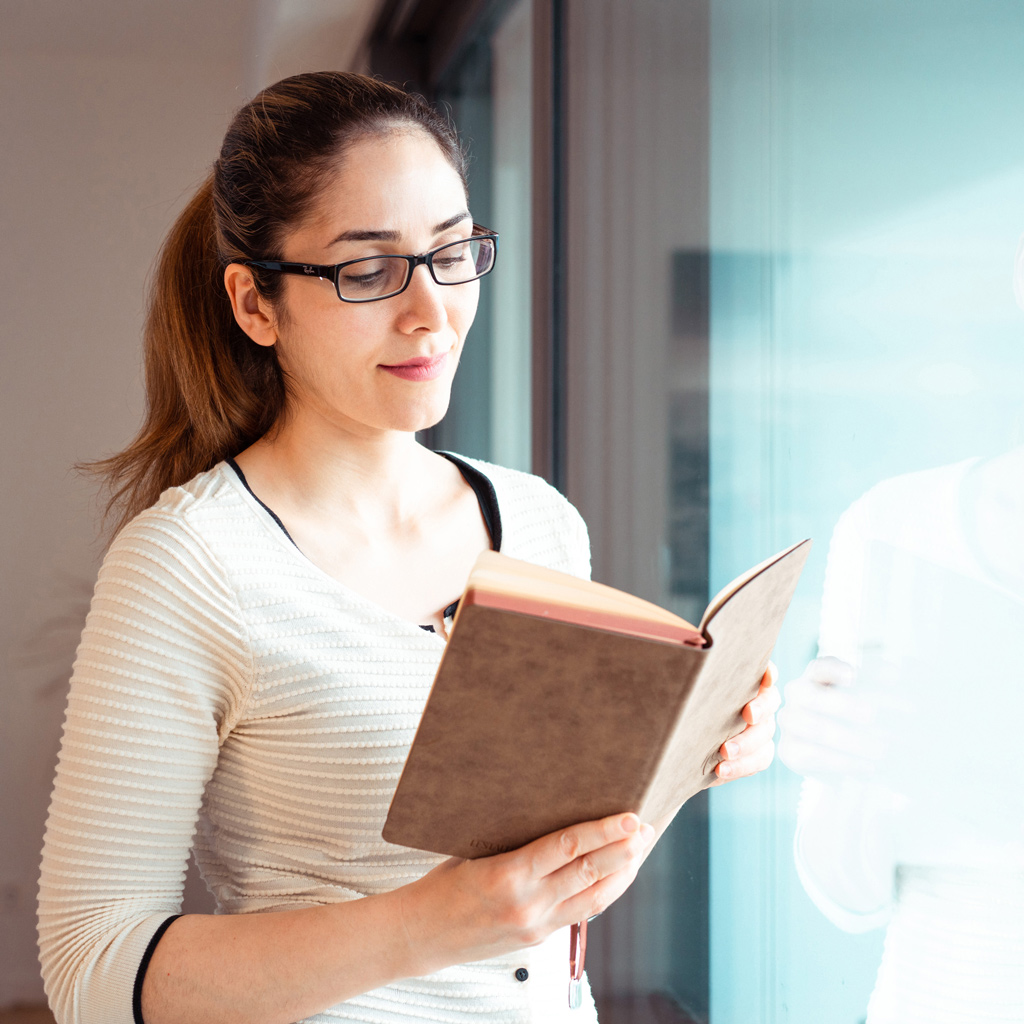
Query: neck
{"points": [[376, 478]]}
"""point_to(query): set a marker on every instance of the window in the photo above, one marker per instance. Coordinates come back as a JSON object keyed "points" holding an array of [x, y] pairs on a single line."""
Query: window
{"points": [[792, 231], [488, 91]]}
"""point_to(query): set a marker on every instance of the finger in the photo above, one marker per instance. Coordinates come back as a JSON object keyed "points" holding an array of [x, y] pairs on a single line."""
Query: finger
{"points": [[767, 702], [598, 898], [801, 726], [754, 762], [829, 701], [829, 671], [586, 871], [746, 742], [552, 852]]}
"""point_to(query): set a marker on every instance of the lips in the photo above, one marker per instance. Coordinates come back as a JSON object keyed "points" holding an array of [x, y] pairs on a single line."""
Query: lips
{"points": [[419, 369]]}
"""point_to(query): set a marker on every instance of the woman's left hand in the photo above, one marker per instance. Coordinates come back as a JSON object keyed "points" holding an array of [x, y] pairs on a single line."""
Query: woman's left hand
{"points": [[752, 750]]}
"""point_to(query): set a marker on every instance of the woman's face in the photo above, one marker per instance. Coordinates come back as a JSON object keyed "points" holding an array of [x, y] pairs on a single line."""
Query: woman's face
{"points": [[386, 365]]}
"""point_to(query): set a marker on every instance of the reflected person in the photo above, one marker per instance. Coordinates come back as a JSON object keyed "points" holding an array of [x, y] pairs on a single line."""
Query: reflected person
{"points": [[905, 728]]}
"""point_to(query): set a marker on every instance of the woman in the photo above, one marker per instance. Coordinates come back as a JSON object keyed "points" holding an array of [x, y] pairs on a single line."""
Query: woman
{"points": [[264, 632]]}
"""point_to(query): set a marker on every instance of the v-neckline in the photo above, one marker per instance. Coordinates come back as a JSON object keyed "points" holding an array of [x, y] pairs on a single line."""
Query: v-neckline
{"points": [[491, 517]]}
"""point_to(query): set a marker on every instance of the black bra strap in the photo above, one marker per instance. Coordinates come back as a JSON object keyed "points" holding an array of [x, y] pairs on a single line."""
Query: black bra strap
{"points": [[266, 508], [485, 495], [482, 488]]}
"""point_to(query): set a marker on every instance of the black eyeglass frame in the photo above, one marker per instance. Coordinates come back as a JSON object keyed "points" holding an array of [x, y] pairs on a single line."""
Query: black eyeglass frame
{"points": [[332, 272]]}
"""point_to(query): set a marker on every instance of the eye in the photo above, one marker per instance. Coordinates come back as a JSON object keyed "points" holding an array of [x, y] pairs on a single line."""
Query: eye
{"points": [[447, 259], [452, 255], [364, 280], [372, 278]]}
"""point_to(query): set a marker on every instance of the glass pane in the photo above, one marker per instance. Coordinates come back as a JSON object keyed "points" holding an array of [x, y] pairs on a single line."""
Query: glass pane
{"points": [[510, 182], [793, 226], [866, 199], [637, 131], [488, 94]]}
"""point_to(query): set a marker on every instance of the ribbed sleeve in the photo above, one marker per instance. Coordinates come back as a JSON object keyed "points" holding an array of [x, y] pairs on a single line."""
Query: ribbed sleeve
{"points": [[162, 672]]}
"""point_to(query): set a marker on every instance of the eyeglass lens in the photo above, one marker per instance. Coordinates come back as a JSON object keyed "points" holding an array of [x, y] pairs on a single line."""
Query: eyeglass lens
{"points": [[377, 278]]}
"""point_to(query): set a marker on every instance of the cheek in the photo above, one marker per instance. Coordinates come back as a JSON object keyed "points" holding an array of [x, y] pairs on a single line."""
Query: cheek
{"points": [[328, 349], [462, 311]]}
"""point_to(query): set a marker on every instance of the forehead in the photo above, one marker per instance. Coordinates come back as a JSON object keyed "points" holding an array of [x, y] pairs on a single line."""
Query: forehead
{"points": [[400, 181]]}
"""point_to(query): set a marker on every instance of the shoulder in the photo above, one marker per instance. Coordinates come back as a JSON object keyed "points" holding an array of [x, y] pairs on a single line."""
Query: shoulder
{"points": [[525, 495], [184, 529], [903, 518], [215, 490], [539, 524], [918, 510], [164, 598], [919, 487]]}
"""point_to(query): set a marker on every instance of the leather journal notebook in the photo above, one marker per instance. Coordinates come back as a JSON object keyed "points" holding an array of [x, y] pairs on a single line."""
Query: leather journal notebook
{"points": [[560, 700]]}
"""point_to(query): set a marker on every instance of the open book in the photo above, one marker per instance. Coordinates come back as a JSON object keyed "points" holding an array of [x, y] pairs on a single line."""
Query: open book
{"points": [[560, 700]]}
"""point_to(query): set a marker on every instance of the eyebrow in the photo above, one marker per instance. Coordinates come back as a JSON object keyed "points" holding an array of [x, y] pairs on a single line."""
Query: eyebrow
{"points": [[366, 235]]}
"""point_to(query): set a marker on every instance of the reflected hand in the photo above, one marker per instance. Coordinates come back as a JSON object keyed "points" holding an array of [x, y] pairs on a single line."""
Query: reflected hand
{"points": [[752, 750], [828, 727]]}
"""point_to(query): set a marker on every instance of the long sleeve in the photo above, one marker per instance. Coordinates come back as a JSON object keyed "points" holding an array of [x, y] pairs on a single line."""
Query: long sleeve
{"points": [[579, 558], [842, 845], [161, 676]]}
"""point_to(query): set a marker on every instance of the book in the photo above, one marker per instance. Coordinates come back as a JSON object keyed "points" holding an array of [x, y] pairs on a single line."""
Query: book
{"points": [[560, 700]]}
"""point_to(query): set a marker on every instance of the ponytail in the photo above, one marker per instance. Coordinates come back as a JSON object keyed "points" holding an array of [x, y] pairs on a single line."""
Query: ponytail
{"points": [[211, 392]]}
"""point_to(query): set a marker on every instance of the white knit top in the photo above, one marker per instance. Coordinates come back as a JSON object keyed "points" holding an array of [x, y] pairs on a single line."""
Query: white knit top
{"points": [[229, 695]]}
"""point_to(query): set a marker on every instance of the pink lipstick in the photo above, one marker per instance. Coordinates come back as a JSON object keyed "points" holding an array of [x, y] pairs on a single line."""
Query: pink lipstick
{"points": [[419, 369]]}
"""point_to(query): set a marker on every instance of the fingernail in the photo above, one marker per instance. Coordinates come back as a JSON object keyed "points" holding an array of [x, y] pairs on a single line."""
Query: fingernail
{"points": [[724, 769], [646, 832], [755, 713], [732, 749], [630, 823]]}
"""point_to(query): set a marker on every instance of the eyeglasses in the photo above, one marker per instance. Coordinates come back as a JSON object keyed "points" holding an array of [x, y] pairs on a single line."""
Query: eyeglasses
{"points": [[372, 278]]}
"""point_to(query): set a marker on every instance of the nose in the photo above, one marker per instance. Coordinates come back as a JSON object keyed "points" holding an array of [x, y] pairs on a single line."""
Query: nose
{"points": [[423, 306]]}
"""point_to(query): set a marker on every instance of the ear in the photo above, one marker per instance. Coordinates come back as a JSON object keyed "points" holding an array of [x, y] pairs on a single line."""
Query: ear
{"points": [[252, 312]]}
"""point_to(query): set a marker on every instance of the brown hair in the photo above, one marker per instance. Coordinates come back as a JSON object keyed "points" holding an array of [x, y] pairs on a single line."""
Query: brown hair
{"points": [[210, 391]]}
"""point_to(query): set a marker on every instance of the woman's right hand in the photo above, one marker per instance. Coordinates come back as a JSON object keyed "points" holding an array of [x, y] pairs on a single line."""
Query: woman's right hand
{"points": [[467, 910]]}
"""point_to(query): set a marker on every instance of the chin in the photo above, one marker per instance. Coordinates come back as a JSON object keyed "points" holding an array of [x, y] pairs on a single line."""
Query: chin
{"points": [[432, 420], [426, 415]]}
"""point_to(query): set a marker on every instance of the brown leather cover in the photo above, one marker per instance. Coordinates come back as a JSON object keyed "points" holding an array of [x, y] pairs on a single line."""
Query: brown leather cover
{"points": [[533, 725]]}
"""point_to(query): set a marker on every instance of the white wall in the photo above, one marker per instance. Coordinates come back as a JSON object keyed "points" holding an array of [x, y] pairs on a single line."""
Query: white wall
{"points": [[112, 112]]}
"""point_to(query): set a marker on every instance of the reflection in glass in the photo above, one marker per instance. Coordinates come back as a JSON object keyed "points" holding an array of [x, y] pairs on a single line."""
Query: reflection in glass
{"points": [[866, 202], [912, 812]]}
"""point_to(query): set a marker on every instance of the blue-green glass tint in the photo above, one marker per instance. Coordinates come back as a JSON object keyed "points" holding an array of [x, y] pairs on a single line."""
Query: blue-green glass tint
{"points": [[867, 194]]}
